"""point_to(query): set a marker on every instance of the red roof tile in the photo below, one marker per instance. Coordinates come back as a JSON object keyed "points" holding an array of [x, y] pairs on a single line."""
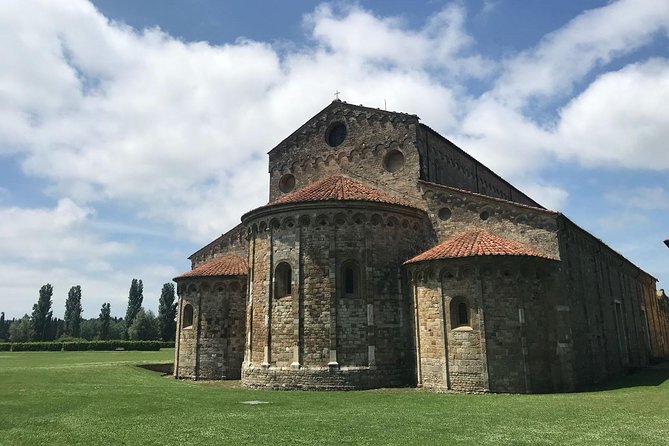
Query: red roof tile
{"points": [[476, 243], [339, 188], [220, 266]]}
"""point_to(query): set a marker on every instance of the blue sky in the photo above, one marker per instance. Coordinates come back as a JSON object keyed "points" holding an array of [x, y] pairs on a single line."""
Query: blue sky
{"points": [[132, 133]]}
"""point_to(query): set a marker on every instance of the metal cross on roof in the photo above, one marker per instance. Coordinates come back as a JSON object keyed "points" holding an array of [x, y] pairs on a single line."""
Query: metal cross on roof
{"points": [[337, 93]]}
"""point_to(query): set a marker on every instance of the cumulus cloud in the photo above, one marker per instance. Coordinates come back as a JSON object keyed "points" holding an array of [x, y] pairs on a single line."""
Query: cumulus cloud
{"points": [[52, 236], [621, 119], [592, 39], [643, 198], [58, 245], [177, 132], [442, 42]]}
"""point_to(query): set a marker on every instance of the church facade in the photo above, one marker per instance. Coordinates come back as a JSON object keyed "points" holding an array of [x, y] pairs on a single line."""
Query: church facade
{"points": [[387, 256]]}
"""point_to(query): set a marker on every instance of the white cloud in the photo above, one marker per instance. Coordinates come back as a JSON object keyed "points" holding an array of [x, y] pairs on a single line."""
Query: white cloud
{"points": [[621, 119], [359, 36], [177, 132], [592, 39], [57, 245], [548, 195], [643, 198], [52, 236], [167, 127]]}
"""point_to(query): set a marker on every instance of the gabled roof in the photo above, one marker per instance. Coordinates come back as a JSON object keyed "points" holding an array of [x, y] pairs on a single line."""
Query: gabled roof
{"points": [[340, 103], [476, 243], [339, 188], [230, 265]]}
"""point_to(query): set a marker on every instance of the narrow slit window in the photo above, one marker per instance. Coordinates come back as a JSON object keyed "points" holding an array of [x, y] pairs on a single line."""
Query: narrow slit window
{"points": [[463, 314], [460, 316], [283, 280], [187, 320], [349, 280]]}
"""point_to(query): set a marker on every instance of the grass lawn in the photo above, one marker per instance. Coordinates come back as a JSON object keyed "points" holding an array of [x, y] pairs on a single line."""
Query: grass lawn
{"points": [[73, 398]]}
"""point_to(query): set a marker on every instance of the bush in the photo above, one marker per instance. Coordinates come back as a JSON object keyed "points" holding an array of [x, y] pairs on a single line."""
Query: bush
{"points": [[37, 347], [85, 345]]}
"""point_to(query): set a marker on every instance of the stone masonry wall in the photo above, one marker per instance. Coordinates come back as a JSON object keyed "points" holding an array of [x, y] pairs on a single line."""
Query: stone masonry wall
{"points": [[213, 346], [518, 299], [371, 135], [605, 303], [346, 340], [232, 242], [445, 163], [509, 344], [656, 308], [452, 212]]}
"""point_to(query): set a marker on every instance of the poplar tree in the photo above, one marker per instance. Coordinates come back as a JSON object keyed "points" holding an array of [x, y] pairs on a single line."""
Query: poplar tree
{"points": [[3, 331], [135, 298], [40, 320], [167, 313], [105, 318], [73, 312]]}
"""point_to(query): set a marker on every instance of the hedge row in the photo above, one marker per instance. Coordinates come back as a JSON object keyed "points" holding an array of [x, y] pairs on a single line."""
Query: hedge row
{"points": [[85, 345]]}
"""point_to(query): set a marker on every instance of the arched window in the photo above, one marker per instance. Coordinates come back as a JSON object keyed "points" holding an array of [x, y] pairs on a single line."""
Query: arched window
{"points": [[460, 316], [350, 278], [282, 280], [187, 318]]}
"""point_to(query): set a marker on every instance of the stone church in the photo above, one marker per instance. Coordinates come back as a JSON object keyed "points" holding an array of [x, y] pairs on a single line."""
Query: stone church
{"points": [[387, 256]]}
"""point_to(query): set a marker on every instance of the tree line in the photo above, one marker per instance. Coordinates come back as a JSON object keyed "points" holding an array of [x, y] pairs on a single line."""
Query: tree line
{"points": [[138, 324]]}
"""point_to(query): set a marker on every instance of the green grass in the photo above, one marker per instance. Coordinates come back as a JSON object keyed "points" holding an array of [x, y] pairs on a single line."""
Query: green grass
{"points": [[72, 398]]}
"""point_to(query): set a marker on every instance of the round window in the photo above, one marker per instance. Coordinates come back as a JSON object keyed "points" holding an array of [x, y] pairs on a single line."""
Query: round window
{"points": [[287, 183], [393, 161], [336, 134], [444, 213]]}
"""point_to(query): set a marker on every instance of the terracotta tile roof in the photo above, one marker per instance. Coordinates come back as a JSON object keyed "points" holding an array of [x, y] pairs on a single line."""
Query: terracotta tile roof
{"points": [[476, 243], [220, 266], [339, 188]]}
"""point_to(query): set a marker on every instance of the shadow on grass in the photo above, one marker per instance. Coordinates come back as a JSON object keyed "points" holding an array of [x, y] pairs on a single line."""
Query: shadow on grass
{"points": [[163, 369], [642, 377]]}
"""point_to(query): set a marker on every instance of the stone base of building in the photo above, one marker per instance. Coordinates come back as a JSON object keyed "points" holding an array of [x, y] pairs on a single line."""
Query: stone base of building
{"points": [[323, 378], [189, 373]]}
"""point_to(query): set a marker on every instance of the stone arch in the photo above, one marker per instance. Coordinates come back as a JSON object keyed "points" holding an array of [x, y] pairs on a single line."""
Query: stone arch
{"points": [[234, 286], [359, 219], [340, 219], [322, 220], [288, 223], [376, 219]]}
